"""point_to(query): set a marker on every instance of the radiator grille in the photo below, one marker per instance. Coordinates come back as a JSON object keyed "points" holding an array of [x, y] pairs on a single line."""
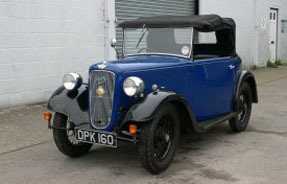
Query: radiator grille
{"points": [[102, 86]]}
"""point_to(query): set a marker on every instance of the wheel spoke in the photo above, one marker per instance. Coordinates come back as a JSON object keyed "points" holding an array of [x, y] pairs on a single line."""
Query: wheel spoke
{"points": [[163, 138], [243, 108]]}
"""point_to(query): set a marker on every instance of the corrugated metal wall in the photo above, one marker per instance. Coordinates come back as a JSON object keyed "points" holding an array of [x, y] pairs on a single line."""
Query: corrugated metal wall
{"points": [[132, 9]]}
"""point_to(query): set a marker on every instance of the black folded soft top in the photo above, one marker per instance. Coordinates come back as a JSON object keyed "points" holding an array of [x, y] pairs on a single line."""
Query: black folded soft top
{"points": [[200, 22]]}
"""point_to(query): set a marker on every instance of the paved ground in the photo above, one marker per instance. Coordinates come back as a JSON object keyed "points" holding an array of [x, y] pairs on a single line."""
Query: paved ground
{"points": [[259, 155]]}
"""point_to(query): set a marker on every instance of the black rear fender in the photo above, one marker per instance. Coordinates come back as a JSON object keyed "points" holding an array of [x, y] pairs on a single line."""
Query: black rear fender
{"points": [[248, 77]]}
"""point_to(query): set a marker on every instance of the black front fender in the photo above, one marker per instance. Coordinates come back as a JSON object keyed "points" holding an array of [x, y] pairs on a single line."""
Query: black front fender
{"points": [[73, 104], [145, 110]]}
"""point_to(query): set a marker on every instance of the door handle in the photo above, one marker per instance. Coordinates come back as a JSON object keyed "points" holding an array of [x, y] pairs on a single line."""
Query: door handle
{"points": [[272, 42], [231, 67]]}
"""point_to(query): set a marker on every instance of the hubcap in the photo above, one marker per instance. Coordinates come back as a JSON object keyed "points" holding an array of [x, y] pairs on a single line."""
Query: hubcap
{"points": [[163, 138]]}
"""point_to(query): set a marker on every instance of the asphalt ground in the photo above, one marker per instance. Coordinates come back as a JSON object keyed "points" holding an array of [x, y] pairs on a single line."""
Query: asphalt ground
{"points": [[258, 155]]}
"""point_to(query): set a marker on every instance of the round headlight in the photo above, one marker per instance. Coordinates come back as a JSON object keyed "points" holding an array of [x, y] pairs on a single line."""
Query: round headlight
{"points": [[133, 86], [72, 81]]}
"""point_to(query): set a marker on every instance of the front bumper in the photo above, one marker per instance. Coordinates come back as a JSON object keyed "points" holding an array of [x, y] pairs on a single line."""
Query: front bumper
{"points": [[85, 127]]}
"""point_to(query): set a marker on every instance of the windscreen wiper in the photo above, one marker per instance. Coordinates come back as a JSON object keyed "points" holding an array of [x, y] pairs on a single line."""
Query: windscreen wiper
{"points": [[143, 33]]}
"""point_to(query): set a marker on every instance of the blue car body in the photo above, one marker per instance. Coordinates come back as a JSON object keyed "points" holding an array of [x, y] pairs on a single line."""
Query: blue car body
{"points": [[208, 86]]}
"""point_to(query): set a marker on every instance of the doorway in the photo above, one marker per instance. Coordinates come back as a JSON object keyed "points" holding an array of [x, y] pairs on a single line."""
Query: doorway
{"points": [[273, 34]]}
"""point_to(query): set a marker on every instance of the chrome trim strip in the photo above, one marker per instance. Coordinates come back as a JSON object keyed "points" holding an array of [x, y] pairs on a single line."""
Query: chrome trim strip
{"points": [[156, 53]]}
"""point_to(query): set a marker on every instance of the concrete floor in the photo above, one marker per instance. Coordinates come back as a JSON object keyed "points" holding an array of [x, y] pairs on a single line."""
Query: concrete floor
{"points": [[258, 155]]}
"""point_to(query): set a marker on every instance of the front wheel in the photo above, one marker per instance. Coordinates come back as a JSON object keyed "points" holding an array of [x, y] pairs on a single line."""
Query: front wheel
{"points": [[243, 108], [159, 139], [65, 139]]}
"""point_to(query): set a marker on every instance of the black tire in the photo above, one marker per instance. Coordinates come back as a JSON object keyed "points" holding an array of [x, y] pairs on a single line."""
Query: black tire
{"points": [[243, 108], [62, 141], [162, 132]]}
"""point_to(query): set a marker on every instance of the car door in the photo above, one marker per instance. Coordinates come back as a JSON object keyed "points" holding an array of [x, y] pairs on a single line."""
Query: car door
{"points": [[212, 87]]}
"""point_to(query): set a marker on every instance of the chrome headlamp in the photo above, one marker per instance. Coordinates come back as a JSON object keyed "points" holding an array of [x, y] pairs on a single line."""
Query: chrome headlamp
{"points": [[133, 86], [72, 81]]}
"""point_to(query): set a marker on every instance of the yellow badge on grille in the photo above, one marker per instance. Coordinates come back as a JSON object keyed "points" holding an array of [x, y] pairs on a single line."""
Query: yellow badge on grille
{"points": [[100, 91]]}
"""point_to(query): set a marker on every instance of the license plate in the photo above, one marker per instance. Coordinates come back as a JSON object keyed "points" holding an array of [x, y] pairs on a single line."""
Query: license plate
{"points": [[96, 137]]}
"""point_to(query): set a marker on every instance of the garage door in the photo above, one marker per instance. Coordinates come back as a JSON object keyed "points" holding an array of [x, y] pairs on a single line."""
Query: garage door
{"points": [[132, 9]]}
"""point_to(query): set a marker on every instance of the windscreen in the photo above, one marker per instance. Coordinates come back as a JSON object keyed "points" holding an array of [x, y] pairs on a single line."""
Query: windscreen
{"points": [[158, 40]]}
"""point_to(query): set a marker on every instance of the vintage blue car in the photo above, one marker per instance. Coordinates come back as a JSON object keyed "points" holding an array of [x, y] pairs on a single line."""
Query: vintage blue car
{"points": [[175, 74]]}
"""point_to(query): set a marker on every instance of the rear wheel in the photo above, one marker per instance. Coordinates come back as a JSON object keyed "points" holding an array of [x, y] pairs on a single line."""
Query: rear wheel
{"points": [[65, 139], [159, 139], [243, 107]]}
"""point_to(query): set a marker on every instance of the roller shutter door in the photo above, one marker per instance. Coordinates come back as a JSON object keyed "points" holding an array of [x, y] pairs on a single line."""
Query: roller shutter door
{"points": [[132, 9]]}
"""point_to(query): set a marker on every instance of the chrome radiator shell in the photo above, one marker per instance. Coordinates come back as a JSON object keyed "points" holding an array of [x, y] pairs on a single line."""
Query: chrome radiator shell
{"points": [[101, 105]]}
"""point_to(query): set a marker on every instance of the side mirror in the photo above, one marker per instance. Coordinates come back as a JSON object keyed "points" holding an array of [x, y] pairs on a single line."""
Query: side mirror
{"points": [[114, 45], [113, 42]]}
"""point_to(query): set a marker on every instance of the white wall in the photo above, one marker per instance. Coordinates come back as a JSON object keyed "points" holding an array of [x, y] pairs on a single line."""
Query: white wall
{"points": [[282, 38], [262, 11], [40, 40], [242, 12], [252, 39]]}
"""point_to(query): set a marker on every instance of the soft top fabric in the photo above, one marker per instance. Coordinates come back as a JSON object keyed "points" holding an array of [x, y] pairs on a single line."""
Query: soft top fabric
{"points": [[201, 22], [225, 29]]}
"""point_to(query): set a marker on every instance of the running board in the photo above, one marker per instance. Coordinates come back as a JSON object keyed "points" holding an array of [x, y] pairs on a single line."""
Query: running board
{"points": [[206, 125]]}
